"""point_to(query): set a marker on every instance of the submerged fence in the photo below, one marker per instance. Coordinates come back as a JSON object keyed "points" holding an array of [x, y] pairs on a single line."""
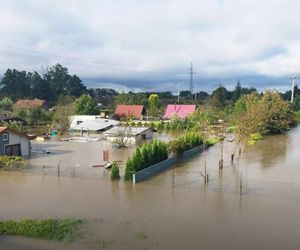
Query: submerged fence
{"points": [[164, 165]]}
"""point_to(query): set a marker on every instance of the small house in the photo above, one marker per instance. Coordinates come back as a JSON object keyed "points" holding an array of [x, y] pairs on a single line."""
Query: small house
{"points": [[88, 123], [14, 143], [132, 134], [129, 111], [30, 104], [179, 110]]}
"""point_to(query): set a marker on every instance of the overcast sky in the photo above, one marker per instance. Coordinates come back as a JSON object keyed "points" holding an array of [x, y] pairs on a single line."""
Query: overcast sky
{"points": [[149, 45]]}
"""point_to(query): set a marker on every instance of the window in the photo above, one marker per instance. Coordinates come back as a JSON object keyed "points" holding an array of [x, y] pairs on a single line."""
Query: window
{"points": [[78, 122], [5, 137]]}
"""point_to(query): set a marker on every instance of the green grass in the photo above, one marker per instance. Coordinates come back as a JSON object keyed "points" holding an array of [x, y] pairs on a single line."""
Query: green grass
{"points": [[212, 141], [52, 229]]}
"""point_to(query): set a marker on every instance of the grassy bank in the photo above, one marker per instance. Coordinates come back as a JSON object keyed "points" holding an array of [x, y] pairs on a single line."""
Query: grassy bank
{"points": [[52, 229]]}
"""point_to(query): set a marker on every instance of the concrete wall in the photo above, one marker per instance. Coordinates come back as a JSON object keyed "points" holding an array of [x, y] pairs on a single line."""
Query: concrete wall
{"points": [[163, 165]]}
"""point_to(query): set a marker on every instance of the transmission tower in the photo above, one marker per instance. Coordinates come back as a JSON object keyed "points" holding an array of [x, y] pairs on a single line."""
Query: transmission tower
{"points": [[192, 73], [293, 79]]}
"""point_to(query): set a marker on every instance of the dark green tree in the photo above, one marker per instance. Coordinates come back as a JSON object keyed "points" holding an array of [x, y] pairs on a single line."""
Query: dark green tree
{"points": [[15, 84], [85, 105], [219, 97], [237, 92]]}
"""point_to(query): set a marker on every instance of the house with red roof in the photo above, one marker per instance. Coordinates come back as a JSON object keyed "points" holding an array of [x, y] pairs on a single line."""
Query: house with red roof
{"points": [[31, 104], [180, 110], [129, 111]]}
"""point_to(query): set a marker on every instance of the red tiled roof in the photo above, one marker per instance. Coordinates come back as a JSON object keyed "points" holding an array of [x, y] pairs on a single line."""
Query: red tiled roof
{"points": [[2, 129], [129, 110], [30, 103], [181, 110]]}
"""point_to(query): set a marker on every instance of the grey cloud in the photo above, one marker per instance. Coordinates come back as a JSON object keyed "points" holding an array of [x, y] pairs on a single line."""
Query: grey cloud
{"points": [[138, 44]]}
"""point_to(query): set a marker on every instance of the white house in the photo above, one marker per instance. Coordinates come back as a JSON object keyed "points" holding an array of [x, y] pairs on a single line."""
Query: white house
{"points": [[91, 123], [14, 143], [132, 134]]}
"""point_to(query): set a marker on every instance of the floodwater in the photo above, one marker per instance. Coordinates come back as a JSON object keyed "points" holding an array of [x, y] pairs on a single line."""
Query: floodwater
{"points": [[251, 204]]}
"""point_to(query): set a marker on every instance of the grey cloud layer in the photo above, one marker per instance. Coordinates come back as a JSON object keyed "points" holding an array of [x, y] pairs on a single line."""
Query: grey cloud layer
{"points": [[136, 43]]}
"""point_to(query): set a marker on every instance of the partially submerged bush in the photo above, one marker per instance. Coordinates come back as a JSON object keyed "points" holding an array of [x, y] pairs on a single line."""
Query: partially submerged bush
{"points": [[256, 136], [115, 175], [149, 154], [212, 141], [52, 229], [184, 143], [12, 163]]}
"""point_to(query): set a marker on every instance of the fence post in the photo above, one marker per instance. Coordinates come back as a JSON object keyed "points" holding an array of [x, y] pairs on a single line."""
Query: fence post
{"points": [[58, 168]]}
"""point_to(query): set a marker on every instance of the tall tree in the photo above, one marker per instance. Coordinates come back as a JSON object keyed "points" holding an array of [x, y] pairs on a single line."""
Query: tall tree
{"points": [[85, 105], [219, 97], [237, 92], [153, 104], [15, 84], [61, 83]]}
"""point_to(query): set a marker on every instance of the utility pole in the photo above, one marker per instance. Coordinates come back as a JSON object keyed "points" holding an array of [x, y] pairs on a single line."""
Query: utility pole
{"points": [[293, 78], [178, 93]]}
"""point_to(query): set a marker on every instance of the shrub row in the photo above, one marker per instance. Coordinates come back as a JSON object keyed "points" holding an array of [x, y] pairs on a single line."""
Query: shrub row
{"points": [[12, 163], [184, 143], [149, 154]]}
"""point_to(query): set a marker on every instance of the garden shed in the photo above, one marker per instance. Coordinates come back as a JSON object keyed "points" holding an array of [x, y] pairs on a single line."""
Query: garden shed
{"points": [[14, 143]]}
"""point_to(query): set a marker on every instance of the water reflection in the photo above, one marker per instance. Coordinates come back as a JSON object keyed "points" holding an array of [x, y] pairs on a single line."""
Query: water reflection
{"points": [[270, 151]]}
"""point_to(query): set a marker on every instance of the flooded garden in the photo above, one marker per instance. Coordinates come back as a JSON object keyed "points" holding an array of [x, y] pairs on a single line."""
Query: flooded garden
{"points": [[252, 203]]}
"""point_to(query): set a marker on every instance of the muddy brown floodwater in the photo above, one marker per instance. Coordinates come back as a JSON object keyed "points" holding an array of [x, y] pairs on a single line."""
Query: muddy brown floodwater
{"points": [[252, 204]]}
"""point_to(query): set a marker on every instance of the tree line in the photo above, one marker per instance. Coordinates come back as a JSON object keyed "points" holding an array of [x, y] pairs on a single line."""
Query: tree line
{"points": [[50, 85]]}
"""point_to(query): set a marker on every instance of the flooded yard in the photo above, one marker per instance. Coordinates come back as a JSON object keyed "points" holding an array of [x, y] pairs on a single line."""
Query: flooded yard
{"points": [[251, 204]]}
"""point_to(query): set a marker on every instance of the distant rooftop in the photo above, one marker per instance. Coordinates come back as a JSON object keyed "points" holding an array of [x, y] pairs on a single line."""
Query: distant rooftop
{"points": [[33, 103], [98, 124], [180, 110], [135, 111], [129, 131]]}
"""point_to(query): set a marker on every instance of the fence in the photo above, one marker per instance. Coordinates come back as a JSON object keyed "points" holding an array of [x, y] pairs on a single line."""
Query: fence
{"points": [[164, 165]]}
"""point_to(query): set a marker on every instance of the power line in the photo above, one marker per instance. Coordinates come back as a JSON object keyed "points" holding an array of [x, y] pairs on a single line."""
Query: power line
{"points": [[12, 51]]}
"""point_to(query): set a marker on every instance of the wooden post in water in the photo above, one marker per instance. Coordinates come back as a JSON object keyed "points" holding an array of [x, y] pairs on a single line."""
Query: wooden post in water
{"points": [[205, 175], [58, 168], [232, 158], [222, 155], [241, 183]]}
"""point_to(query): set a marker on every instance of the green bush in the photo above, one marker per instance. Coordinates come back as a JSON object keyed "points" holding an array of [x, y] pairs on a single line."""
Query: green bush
{"points": [[41, 229], [129, 170], [12, 163], [115, 175], [149, 154], [212, 141], [256, 136], [184, 143]]}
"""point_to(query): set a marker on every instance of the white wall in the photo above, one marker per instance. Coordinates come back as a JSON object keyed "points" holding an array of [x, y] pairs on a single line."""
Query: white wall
{"points": [[15, 138]]}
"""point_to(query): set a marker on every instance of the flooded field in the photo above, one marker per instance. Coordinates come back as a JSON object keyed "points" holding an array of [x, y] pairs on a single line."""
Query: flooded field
{"points": [[251, 204]]}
